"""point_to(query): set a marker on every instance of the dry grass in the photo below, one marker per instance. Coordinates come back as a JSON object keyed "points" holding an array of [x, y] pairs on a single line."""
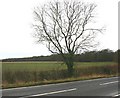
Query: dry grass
{"points": [[19, 78]]}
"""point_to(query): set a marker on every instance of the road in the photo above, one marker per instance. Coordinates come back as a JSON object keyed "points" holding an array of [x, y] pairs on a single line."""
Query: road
{"points": [[94, 87]]}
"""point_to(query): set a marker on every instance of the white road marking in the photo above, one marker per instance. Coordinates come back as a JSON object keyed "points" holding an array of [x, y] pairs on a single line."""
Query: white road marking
{"points": [[116, 95], [109, 83], [49, 93]]}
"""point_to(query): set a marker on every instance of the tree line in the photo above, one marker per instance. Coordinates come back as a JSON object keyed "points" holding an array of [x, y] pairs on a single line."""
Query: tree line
{"points": [[104, 55]]}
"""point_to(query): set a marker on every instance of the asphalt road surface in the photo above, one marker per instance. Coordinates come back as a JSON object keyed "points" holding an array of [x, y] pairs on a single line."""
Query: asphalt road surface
{"points": [[94, 87]]}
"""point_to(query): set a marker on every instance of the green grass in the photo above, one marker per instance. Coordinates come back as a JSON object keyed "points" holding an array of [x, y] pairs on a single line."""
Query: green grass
{"points": [[86, 64], [37, 66], [15, 74], [43, 66]]}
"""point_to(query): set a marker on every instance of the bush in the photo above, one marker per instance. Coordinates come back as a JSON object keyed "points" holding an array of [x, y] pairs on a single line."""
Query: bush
{"points": [[12, 77]]}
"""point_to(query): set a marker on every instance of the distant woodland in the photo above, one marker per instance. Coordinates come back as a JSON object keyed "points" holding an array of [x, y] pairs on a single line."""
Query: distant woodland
{"points": [[104, 55]]}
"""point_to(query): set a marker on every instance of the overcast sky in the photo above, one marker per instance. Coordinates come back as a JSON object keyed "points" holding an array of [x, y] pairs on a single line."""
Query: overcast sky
{"points": [[16, 18]]}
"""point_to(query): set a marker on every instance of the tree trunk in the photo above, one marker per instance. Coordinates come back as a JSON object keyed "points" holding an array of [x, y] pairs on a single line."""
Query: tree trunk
{"points": [[70, 63], [70, 70]]}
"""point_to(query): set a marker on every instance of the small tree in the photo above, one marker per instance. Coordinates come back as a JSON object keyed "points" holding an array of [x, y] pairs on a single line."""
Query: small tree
{"points": [[62, 27]]}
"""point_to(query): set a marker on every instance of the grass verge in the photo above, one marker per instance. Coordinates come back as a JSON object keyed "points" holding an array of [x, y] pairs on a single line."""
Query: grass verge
{"points": [[21, 78], [24, 84]]}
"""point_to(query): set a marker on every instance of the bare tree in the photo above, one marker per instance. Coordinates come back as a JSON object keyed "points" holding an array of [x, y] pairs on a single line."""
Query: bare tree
{"points": [[64, 28]]}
